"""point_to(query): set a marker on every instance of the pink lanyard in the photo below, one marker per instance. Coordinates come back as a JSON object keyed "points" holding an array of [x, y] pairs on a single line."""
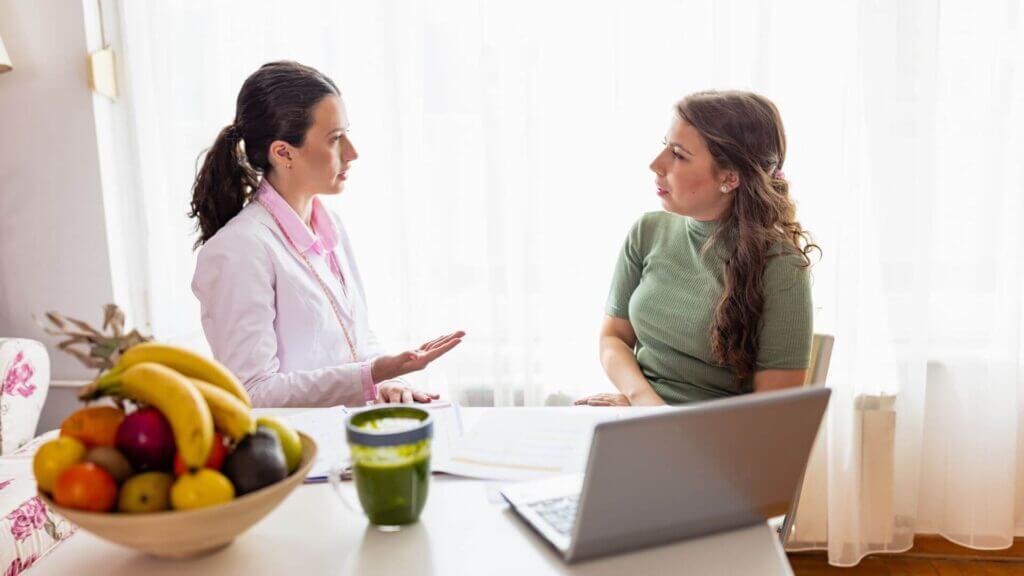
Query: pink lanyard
{"points": [[335, 268]]}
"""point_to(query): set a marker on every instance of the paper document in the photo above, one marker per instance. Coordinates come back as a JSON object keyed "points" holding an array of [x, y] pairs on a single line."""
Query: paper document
{"points": [[524, 444], [503, 444], [326, 426]]}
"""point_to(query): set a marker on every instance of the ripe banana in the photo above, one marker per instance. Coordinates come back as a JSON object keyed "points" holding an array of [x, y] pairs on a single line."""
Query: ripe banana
{"points": [[186, 362], [230, 415], [175, 397]]}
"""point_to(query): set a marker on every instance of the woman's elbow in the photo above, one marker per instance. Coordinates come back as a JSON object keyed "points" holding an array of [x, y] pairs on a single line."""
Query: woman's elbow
{"points": [[771, 380]]}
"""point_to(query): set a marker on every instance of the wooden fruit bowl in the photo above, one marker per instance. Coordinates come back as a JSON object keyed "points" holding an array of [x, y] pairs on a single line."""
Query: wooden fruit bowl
{"points": [[188, 533]]}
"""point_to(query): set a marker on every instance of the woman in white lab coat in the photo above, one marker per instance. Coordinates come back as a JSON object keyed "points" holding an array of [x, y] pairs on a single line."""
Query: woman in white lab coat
{"points": [[282, 302]]}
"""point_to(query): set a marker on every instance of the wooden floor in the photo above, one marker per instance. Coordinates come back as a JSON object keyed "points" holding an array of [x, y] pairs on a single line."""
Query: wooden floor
{"points": [[932, 555], [882, 565]]}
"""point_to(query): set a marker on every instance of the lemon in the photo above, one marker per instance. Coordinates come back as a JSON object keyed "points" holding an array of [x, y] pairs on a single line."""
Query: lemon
{"points": [[203, 488]]}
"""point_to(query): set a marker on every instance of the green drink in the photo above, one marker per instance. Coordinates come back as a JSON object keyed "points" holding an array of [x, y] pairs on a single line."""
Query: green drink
{"points": [[390, 449]]}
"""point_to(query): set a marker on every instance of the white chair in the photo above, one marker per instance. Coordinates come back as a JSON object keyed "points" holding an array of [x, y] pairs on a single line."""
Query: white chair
{"points": [[817, 372]]}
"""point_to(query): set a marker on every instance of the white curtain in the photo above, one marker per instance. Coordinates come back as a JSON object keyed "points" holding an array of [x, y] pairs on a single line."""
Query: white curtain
{"points": [[924, 184], [504, 151]]}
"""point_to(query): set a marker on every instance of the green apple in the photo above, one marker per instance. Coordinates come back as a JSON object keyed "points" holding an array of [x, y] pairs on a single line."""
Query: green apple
{"points": [[290, 442]]}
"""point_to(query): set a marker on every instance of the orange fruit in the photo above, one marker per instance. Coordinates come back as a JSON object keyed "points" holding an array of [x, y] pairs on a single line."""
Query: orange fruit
{"points": [[86, 486], [93, 426], [54, 457]]}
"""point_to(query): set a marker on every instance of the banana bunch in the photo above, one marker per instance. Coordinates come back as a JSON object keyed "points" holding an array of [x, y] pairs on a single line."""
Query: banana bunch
{"points": [[195, 394], [230, 415], [188, 363]]}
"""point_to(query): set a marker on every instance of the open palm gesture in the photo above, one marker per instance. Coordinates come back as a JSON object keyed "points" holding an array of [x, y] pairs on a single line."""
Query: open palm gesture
{"points": [[392, 366]]}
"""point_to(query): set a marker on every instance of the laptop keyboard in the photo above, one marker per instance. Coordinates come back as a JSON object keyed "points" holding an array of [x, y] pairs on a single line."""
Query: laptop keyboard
{"points": [[559, 512]]}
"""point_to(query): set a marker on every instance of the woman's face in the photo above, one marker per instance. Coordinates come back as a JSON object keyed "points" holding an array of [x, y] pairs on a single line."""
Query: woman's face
{"points": [[688, 181], [321, 163]]}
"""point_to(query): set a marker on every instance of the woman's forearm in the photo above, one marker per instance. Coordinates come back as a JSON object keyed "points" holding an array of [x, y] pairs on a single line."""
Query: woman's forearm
{"points": [[622, 369]]}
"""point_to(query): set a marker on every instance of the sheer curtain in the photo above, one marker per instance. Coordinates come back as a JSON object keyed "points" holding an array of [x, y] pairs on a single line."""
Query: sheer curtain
{"points": [[922, 223], [504, 151]]}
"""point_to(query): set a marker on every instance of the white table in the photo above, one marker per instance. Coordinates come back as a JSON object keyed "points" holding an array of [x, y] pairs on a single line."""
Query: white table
{"points": [[463, 530]]}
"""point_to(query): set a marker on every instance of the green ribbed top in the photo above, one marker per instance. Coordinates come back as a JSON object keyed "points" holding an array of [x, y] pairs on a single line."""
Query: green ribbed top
{"points": [[668, 291]]}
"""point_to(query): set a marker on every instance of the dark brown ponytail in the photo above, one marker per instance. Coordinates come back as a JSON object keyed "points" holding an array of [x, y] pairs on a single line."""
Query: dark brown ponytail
{"points": [[275, 103], [218, 192]]}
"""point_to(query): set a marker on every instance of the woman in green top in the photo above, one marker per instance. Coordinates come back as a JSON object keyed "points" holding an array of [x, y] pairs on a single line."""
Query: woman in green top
{"points": [[711, 298]]}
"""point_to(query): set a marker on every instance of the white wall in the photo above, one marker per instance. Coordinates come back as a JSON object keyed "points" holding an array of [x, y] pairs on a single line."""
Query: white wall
{"points": [[53, 243]]}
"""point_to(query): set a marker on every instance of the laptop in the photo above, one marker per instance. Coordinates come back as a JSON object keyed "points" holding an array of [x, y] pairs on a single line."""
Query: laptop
{"points": [[677, 474]]}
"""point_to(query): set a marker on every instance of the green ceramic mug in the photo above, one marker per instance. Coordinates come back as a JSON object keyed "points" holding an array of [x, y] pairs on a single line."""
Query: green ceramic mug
{"points": [[390, 459]]}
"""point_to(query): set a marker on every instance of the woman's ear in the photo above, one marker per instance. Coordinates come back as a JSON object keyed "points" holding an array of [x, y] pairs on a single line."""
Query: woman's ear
{"points": [[731, 180], [280, 156]]}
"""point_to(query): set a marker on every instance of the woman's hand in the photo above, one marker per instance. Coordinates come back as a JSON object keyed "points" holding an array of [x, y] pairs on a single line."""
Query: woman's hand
{"points": [[390, 367], [612, 399], [396, 392]]}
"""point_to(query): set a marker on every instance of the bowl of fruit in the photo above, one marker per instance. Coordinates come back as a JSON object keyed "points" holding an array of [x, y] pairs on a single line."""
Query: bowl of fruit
{"points": [[179, 466]]}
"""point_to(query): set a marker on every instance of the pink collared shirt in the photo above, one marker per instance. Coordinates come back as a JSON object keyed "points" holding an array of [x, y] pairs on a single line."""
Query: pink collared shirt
{"points": [[267, 318]]}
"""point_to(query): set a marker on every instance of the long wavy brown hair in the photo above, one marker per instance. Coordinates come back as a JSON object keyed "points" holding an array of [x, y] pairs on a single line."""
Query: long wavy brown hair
{"points": [[744, 133]]}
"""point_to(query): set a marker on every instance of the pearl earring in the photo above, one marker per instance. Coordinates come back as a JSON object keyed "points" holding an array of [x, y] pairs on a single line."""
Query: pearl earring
{"points": [[724, 189]]}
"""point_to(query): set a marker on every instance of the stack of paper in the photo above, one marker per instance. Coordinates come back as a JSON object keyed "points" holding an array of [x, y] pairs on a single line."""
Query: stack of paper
{"points": [[523, 444], [326, 426]]}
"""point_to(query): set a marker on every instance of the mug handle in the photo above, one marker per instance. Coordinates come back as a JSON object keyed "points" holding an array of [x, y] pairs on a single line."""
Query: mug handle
{"points": [[334, 478]]}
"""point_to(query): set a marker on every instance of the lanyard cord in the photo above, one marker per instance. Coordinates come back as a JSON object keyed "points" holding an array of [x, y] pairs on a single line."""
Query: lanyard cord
{"points": [[323, 285]]}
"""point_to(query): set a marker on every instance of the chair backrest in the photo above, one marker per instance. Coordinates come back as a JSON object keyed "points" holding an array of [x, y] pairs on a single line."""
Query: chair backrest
{"points": [[821, 354], [24, 382], [817, 372]]}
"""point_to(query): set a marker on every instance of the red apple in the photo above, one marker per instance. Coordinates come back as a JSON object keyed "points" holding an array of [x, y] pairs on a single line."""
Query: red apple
{"points": [[146, 439], [214, 461]]}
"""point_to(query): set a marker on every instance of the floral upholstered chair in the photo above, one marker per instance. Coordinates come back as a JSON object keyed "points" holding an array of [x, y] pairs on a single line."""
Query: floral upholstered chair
{"points": [[28, 529], [26, 379]]}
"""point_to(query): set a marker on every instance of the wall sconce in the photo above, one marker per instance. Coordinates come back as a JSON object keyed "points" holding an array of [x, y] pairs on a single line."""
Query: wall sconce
{"points": [[102, 68]]}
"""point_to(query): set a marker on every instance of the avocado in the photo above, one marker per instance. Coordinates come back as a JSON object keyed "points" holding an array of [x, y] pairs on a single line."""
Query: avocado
{"points": [[257, 461]]}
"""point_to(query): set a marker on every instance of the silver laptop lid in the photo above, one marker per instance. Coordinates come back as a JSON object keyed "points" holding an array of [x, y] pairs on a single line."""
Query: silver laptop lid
{"points": [[695, 470]]}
